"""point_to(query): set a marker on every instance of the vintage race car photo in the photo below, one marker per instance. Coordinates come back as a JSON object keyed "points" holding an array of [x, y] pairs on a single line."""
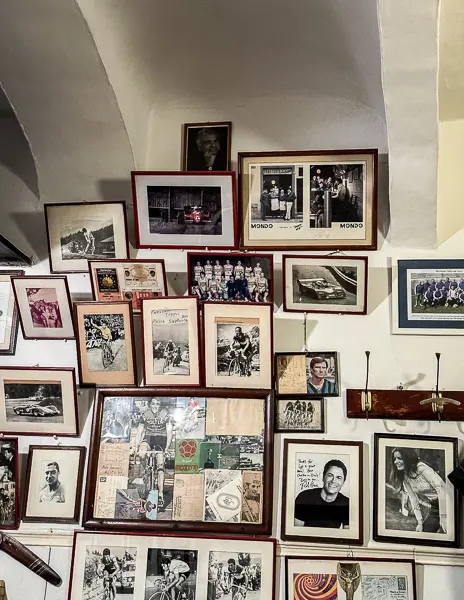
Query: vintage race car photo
{"points": [[36, 410], [320, 289], [196, 214]]}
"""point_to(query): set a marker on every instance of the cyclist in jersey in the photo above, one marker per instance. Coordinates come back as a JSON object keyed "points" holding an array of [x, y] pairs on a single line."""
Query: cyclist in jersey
{"points": [[176, 572], [238, 578], [155, 433], [241, 346], [105, 334], [169, 350], [110, 570]]}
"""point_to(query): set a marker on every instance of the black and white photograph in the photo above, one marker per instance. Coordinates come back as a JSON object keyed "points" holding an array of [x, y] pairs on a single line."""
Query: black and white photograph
{"points": [[322, 491], [8, 483], [417, 503], [307, 373], [234, 575], [80, 232], [207, 146], [171, 573], [9, 316], [235, 277], [105, 343], [281, 196], [238, 347], [300, 415], [170, 342], [325, 284], [109, 573], [185, 210], [33, 401]]}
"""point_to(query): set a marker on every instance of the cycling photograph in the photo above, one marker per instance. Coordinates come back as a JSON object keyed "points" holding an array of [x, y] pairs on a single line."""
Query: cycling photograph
{"points": [[234, 576], [170, 334], [171, 574], [238, 348], [104, 342], [109, 573]]}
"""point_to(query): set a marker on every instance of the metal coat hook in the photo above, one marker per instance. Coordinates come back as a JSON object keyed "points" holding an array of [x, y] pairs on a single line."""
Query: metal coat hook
{"points": [[366, 399], [437, 400]]}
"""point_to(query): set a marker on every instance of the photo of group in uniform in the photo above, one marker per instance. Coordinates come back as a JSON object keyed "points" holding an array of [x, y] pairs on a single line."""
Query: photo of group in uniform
{"points": [[88, 238], [435, 293], [281, 197], [104, 342], [234, 576], [232, 278]]}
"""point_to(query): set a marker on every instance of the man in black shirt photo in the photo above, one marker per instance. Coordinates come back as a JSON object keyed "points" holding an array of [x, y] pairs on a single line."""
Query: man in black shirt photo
{"points": [[326, 506]]}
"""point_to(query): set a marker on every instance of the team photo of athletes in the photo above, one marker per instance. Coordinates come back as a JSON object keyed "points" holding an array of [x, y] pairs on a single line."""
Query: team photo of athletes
{"points": [[230, 277], [439, 294]]}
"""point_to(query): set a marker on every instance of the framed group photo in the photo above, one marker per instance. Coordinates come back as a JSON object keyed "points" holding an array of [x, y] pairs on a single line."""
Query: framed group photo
{"points": [[414, 502], [82, 231], [299, 415], [206, 146], [307, 374], [9, 478], [308, 200], [322, 497], [325, 284], [185, 210], [197, 459], [9, 316]]}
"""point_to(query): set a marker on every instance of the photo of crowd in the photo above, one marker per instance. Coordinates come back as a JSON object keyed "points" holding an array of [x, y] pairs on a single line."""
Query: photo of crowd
{"points": [[44, 307]]}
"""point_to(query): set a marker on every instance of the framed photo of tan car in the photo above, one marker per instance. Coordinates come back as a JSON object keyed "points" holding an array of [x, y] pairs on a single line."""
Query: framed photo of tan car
{"points": [[308, 200], [9, 316], [171, 341], [325, 284], [206, 146]]}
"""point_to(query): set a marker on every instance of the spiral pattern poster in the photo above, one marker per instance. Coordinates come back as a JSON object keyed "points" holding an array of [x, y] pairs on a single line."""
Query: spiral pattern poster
{"points": [[319, 586]]}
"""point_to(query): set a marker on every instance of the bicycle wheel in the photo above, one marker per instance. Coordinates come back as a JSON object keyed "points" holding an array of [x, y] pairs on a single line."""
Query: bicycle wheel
{"points": [[106, 359], [234, 367], [160, 595]]}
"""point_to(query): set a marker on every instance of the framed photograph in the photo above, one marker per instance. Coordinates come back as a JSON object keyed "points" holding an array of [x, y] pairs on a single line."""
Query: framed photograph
{"points": [[185, 210], [105, 343], [132, 279], [10, 256], [299, 415], [54, 484], [171, 341], [234, 277], [164, 458], [44, 306], [238, 345], [82, 231], [9, 317], [307, 374], [414, 503], [428, 297], [207, 146], [196, 567], [305, 200], [308, 578], [325, 284], [323, 492], [38, 401], [9, 478]]}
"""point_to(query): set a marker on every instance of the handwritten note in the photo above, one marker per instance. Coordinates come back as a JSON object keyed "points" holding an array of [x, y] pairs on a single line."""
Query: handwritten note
{"points": [[307, 475], [113, 460], [105, 495], [291, 374], [188, 497]]}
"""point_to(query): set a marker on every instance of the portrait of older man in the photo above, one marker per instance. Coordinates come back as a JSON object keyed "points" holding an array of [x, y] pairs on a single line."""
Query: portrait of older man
{"points": [[207, 147], [53, 490]]}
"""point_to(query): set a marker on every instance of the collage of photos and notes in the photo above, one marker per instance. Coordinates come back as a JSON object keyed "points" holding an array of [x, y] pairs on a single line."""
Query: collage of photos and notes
{"points": [[182, 459], [8, 451]]}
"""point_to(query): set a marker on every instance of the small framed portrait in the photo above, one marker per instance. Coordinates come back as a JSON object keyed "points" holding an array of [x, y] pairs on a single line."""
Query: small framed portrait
{"points": [[38, 401], [9, 316], [307, 374], [185, 210], [299, 415], [323, 492], [414, 503], [238, 345], [54, 484], [82, 231], [325, 284], [307, 200], [207, 146], [171, 341], [161, 567], [329, 578], [9, 477], [233, 277], [44, 306], [132, 279], [105, 343], [428, 297]]}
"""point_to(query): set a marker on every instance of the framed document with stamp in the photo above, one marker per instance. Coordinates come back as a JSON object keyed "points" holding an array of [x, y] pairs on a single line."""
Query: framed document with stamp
{"points": [[199, 460]]}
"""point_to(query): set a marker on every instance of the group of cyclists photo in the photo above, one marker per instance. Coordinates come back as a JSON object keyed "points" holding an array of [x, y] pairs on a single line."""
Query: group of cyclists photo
{"points": [[234, 576], [171, 357], [445, 293], [297, 414]]}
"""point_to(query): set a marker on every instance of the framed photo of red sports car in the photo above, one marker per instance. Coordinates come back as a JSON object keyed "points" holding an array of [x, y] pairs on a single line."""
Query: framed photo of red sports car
{"points": [[325, 284], [185, 209]]}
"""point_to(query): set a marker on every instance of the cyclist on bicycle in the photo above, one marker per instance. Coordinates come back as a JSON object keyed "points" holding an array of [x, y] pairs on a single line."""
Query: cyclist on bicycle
{"points": [[238, 579], [241, 348], [176, 572], [169, 351], [154, 433], [105, 333], [110, 570]]}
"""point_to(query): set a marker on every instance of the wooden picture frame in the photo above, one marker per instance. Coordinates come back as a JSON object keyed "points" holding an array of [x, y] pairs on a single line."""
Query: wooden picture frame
{"points": [[141, 554], [323, 576], [132, 279], [44, 306], [193, 447], [174, 322], [314, 471], [282, 208], [79, 231], [100, 353], [307, 374], [9, 482], [428, 515], [39, 401], [247, 270], [224, 366], [192, 210], [53, 494], [9, 314], [325, 284], [219, 156], [300, 415]]}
